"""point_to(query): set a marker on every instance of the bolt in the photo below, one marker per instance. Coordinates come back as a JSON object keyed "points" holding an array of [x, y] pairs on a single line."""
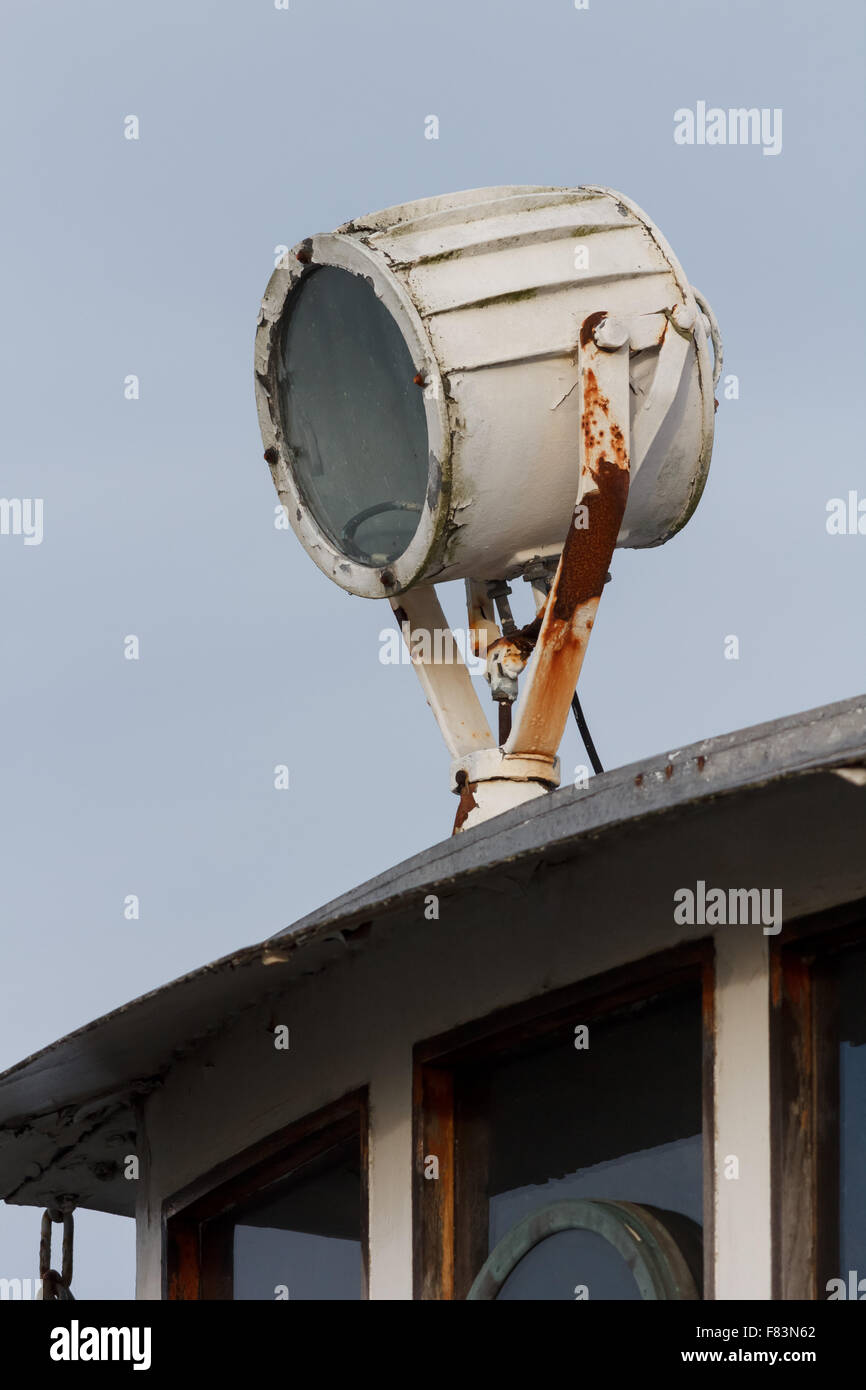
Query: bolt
{"points": [[684, 316], [611, 334]]}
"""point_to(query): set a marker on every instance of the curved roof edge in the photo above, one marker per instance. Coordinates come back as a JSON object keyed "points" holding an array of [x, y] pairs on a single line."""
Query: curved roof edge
{"points": [[85, 1080]]}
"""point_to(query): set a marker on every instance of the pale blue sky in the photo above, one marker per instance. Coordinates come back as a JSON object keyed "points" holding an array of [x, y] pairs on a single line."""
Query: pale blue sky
{"points": [[260, 127]]}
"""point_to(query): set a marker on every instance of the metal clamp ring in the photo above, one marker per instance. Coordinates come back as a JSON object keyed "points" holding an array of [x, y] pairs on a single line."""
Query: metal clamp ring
{"points": [[644, 1236]]}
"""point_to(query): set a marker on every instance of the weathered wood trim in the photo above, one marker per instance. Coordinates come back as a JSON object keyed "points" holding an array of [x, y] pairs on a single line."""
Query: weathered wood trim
{"points": [[805, 1091]]}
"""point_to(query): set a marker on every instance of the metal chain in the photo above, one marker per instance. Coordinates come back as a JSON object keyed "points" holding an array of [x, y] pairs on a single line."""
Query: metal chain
{"points": [[56, 1285]]}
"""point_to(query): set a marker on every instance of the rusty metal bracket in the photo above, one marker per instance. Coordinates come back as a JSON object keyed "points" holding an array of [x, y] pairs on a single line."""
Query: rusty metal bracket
{"points": [[569, 613], [490, 779]]}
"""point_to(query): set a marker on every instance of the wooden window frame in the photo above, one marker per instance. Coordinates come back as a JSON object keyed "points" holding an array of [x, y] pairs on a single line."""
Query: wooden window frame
{"points": [[438, 1205], [197, 1245], [804, 1081]]}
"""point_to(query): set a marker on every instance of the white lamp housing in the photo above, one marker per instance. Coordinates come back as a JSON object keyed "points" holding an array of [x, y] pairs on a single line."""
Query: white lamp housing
{"points": [[489, 289], [482, 385]]}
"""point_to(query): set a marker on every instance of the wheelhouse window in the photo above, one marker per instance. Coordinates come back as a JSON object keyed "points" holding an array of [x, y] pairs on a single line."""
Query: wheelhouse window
{"points": [[303, 1241], [289, 1223], [819, 998], [567, 1145]]}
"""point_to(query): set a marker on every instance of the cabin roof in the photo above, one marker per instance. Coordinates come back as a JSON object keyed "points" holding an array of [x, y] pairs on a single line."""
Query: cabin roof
{"points": [[69, 1112]]}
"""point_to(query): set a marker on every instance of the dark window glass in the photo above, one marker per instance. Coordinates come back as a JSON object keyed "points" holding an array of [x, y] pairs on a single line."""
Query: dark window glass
{"points": [[852, 1112], [620, 1120], [352, 416], [561, 1266], [304, 1241]]}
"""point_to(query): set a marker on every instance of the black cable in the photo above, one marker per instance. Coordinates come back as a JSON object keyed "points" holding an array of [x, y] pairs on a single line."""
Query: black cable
{"points": [[585, 734]]}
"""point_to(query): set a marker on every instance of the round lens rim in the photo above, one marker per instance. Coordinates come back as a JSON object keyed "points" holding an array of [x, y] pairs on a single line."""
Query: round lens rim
{"points": [[346, 252]]}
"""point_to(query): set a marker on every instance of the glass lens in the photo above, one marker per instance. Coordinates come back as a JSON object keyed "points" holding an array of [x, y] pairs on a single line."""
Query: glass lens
{"points": [[352, 416]]}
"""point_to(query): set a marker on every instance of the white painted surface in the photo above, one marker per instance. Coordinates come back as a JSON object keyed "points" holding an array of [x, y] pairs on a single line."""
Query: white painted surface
{"points": [[742, 1101], [390, 1196], [356, 1022], [489, 289]]}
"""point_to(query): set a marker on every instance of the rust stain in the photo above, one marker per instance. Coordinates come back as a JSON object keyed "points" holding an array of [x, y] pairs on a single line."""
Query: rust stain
{"points": [[571, 607], [702, 762], [589, 325], [271, 455], [521, 642], [596, 415], [586, 553], [638, 781], [419, 379], [554, 680], [587, 550], [467, 801], [669, 770]]}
